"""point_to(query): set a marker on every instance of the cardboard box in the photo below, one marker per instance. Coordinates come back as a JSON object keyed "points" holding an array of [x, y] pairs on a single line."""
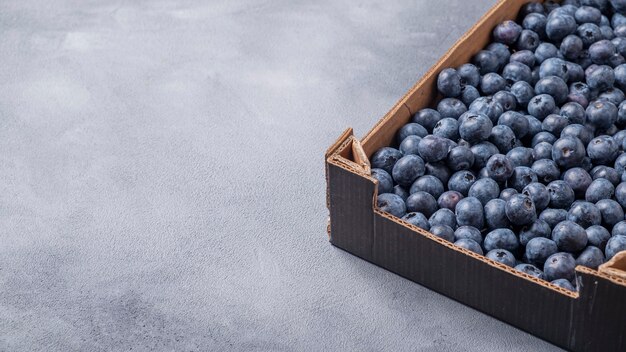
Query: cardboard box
{"points": [[593, 319]]}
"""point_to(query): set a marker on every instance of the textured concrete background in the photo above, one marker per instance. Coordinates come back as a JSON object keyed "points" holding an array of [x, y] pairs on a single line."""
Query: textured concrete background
{"points": [[162, 182]]}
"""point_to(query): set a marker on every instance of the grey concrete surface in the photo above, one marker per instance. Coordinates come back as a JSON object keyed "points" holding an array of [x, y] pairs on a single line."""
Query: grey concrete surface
{"points": [[162, 183]]}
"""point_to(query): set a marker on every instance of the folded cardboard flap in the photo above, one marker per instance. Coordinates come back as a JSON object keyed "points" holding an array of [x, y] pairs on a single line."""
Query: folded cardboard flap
{"points": [[615, 267], [359, 155]]}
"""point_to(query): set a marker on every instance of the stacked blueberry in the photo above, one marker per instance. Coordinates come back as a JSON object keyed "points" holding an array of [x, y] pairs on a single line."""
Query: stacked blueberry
{"points": [[523, 159]]}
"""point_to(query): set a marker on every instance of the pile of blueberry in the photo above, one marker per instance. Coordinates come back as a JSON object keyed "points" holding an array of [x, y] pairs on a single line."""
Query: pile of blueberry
{"points": [[523, 159]]}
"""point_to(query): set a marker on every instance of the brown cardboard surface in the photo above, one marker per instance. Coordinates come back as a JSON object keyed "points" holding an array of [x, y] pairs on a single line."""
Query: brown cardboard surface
{"points": [[592, 319]]}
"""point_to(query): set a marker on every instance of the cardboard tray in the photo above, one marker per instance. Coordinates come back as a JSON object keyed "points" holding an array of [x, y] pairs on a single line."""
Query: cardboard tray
{"points": [[592, 319]]}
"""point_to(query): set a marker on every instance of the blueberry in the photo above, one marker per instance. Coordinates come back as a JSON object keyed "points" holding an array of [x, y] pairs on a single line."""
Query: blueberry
{"points": [[619, 229], [620, 31], [546, 170], [580, 88], [534, 126], [559, 266], [531, 7], [447, 128], [520, 210], [469, 211], [427, 118], [528, 40], [541, 106], [620, 45], [620, 194], [385, 182], [385, 158], [589, 33], [611, 211], [553, 67], [600, 77], [474, 127], [574, 113], [520, 156], [506, 99], [567, 151], [469, 94], [449, 83], [522, 176], [575, 72], [616, 244], [502, 53], [530, 270], [469, 245], [486, 61], [569, 236], [515, 72], [601, 51], [507, 193], [546, 50], [411, 129], [578, 179], [554, 124], [507, 32], [620, 163], [563, 283], [602, 150], [558, 27], [523, 92], [484, 190], [407, 169], [421, 202], [553, 86], [429, 184], [449, 199], [461, 181], [584, 214], [400, 192], [588, 14], [597, 236], [495, 215], [618, 5], [591, 257], [391, 203], [501, 256], [553, 216], [538, 193], [561, 194], [451, 107], [584, 133], [468, 232], [571, 47], [410, 145], [439, 170], [487, 106], [543, 136], [599, 189], [535, 22], [499, 167], [433, 148], [503, 138], [613, 95], [616, 60], [606, 172], [539, 228], [443, 217], [620, 76], [539, 249], [417, 219], [501, 238], [517, 122], [443, 231], [542, 150], [526, 57], [469, 75], [460, 158]]}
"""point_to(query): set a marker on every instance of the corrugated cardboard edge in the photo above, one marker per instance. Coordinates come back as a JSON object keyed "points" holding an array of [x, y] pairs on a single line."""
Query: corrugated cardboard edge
{"points": [[615, 268]]}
